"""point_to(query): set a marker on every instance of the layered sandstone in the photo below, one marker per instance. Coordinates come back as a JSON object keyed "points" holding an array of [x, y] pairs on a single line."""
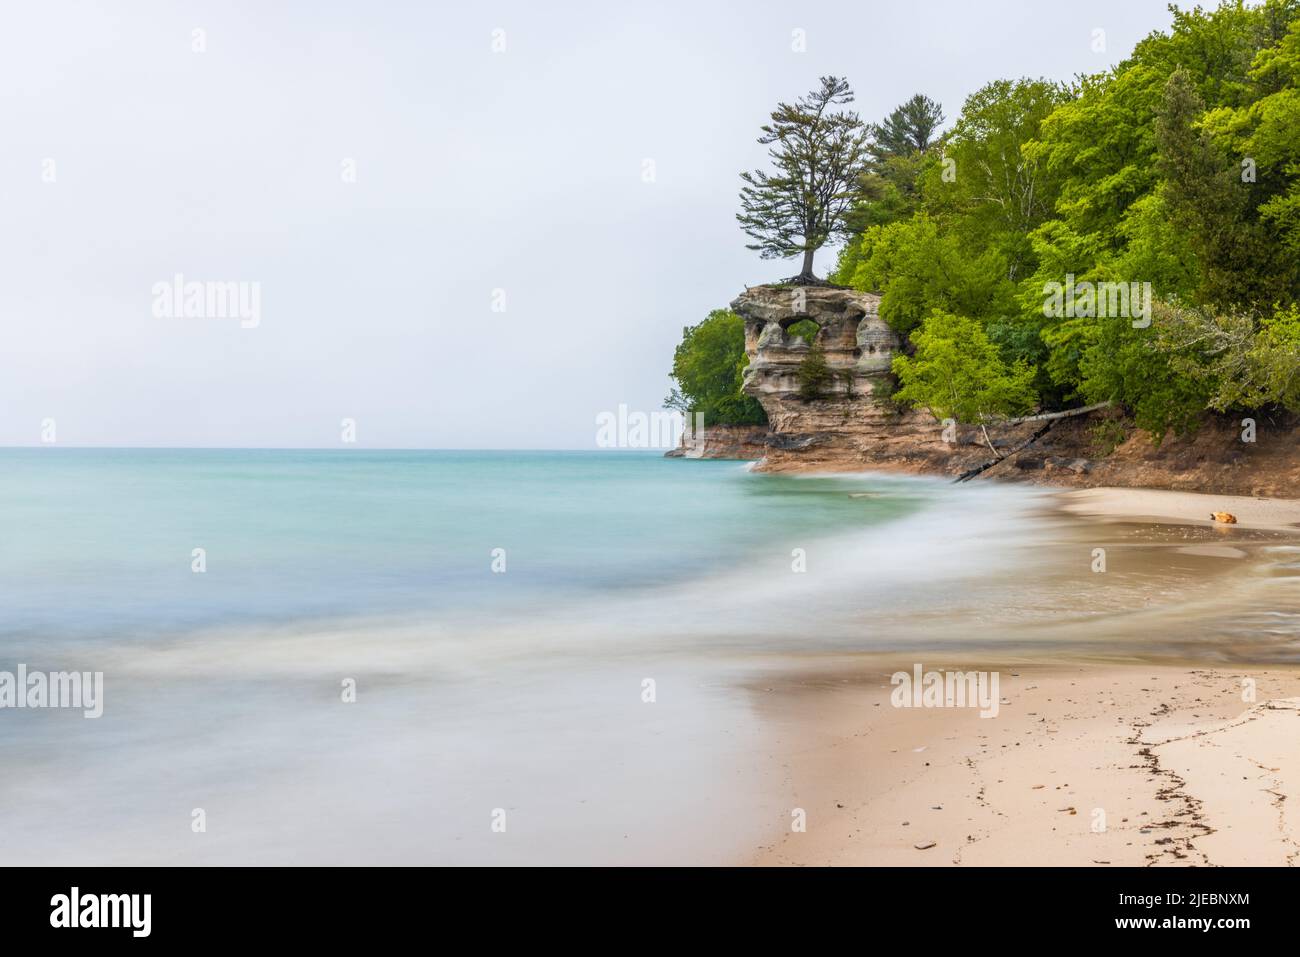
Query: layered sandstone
{"points": [[856, 342], [722, 442]]}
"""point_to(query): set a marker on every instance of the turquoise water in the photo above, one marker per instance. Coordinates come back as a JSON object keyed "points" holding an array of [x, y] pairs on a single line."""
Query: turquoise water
{"points": [[522, 691], [99, 542], [476, 688]]}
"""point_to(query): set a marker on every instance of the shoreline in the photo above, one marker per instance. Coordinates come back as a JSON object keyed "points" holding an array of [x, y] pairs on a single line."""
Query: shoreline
{"points": [[1094, 450], [1119, 502], [1087, 763]]}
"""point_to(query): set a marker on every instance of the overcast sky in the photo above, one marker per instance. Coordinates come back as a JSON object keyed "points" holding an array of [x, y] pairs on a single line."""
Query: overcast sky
{"points": [[131, 157]]}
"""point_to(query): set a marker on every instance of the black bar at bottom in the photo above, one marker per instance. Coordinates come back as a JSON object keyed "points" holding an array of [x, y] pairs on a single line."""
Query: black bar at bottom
{"points": [[333, 906]]}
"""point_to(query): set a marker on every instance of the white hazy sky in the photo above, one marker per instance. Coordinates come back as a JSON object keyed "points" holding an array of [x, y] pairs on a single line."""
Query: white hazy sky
{"points": [[475, 171]]}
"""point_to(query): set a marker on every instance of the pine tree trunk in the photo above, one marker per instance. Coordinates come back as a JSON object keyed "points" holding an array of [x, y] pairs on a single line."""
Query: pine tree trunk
{"points": [[806, 272]]}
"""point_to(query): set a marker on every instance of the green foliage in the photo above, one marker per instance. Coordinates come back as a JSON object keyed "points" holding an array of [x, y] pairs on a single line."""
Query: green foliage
{"points": [[889, 191], [1179, 167], [1274, 363], [1124, 365], [1207, 201], [805, 329], [1265, 132], [1101, 147], [909, 129], [998, 190], [1239, 362], [966, 239], [956, 372], [885, 389], [921, 267], [709, 367], [814, 374]]}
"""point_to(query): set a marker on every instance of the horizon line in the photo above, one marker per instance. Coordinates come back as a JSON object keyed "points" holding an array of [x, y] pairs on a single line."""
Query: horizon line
{"points": [[307, 448]]}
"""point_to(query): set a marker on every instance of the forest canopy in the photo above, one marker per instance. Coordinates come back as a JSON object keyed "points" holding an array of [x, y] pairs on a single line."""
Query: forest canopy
{"points": [[709, 367], [1176, 173], [1131, 236]]}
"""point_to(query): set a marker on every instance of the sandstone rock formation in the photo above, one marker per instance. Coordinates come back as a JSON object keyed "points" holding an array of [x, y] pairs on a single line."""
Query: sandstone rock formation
{"points": [[722, 442], [857, 344], [851, 420]]}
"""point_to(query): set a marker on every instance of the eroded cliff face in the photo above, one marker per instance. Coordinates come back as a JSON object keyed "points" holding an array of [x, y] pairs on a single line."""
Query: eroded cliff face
{"points": [[722, 442]]}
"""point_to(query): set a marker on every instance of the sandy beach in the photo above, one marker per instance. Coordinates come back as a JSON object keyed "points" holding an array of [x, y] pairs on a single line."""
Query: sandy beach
{"points": [[1160, 505], [1087, 762], [1084, 765]]}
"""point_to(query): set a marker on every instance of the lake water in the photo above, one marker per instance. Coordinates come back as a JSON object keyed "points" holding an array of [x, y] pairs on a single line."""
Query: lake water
{"points": [[566, 643]]}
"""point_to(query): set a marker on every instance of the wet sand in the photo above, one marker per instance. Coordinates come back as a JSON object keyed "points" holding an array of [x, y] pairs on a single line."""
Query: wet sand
{"points": [[1095, 759]]}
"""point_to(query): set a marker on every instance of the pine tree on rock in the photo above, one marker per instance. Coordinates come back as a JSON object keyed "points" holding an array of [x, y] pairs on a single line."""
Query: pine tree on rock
{"points": [[819, 155]]}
